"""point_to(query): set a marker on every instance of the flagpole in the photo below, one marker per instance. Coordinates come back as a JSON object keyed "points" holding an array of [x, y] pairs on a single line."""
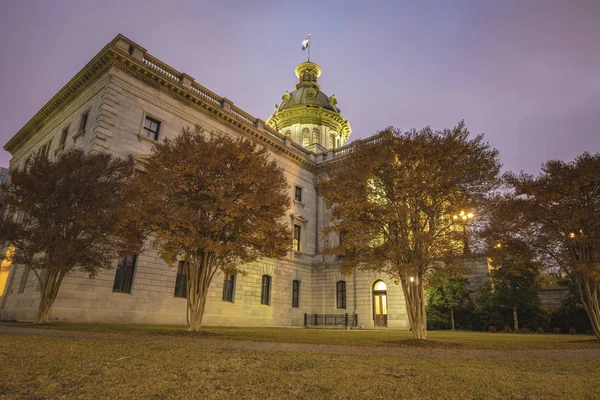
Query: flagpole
{"points": [[309, 47]]}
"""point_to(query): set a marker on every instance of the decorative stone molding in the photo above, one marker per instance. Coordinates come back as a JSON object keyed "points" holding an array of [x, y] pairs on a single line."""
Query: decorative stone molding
{"points": [[267, 269]]}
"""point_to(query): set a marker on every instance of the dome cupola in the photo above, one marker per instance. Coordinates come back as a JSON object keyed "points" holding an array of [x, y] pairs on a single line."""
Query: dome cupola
{"points": [[309, 116]]}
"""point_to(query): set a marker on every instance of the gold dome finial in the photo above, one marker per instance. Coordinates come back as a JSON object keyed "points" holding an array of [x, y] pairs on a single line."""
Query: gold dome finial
{"points": [[308, 73]]}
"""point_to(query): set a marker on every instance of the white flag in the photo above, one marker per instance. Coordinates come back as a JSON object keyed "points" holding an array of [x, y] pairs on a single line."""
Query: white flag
{"points": [[305, 43]]}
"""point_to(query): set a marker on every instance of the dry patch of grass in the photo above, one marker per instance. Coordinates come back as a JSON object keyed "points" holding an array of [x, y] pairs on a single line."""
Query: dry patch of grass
{"points": [[58, 368], [152, 362]]}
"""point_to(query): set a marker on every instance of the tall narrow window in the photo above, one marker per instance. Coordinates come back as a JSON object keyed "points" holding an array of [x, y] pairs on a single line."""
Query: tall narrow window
{"points": [[316, 136], [331, 141], [151, 128], [48, 145], [181, 281], [83, 122], [298, 194], [305, 137], [265, 293], [42, 150], [228, 288], [24, 277], [124, 275], [297, 236], [341, 294], [295, 294], [63, 136]]}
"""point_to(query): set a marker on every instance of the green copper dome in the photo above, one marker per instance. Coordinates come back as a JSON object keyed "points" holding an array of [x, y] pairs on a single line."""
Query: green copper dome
{"points": [[308, 108]]}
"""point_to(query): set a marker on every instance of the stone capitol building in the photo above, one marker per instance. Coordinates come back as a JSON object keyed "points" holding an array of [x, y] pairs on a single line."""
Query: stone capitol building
{"points": [[123, 102]]}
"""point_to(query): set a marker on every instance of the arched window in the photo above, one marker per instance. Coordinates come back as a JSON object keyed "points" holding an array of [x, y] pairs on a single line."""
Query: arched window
{"points": [[340, 291], [305, 137], [316, 136]]}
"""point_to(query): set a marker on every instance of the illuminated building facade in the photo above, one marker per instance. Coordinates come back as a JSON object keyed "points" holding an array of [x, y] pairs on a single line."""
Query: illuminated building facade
{"points": [[124, 101]]}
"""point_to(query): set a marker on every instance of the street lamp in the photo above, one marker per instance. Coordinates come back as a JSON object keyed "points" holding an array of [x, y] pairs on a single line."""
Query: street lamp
{"points": [[465, 217]]}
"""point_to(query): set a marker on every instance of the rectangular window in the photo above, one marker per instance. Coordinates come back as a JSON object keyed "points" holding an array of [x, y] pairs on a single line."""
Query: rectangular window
{"points": [[48, 145], [295, 294], [23, 282], [151, 128], [181, 281], [228, 288], [265, 293], [298, 194], [63, 136], [124, 275], [341, 294], [83, 122], [297, 236]]}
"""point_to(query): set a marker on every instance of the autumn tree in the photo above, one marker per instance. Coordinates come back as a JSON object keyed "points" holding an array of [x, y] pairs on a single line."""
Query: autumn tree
{"points": [[556, 215], [68, 214], [215, 203], [395, 199]]}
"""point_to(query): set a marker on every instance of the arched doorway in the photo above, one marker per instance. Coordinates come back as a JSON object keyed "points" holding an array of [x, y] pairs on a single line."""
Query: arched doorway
{"points": [[380, 303]]}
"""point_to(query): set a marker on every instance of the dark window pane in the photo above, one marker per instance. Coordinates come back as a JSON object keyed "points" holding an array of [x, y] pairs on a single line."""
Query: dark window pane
{"points": [[151, 128], [341, 294], [295, 293], [298, 195], [124, 274], [265, 294], [228, 288], [181, 281], [63, 137], [83, 122]]}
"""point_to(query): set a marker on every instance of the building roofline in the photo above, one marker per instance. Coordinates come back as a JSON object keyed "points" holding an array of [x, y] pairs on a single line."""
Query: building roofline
{"points": [[136, 61]]}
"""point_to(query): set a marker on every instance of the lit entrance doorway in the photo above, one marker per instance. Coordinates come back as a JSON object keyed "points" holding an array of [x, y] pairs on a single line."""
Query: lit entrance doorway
{"points": [[380, 303]]}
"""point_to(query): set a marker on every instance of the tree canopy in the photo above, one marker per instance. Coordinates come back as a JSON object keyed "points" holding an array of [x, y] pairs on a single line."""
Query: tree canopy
{"points": [[214, 203], [69, 213], [395, 200], [555, 217]]}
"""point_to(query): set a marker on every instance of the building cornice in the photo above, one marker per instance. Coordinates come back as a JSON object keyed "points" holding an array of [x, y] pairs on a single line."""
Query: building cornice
{"points": [[133, 59], [95, 68]]}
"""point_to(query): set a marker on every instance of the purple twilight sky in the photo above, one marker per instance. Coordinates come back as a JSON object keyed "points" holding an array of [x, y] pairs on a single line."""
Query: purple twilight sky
{"points": [[525, 73]]}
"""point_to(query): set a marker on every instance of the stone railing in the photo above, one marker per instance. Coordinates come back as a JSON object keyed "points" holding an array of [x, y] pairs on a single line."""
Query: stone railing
{"points": [[242, 115], [206, 94], [346, 150], [161, 68]]}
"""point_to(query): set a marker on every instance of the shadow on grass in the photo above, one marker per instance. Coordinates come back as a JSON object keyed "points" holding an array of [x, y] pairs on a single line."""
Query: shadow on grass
{"points": [[186, 333], [426, 344]]}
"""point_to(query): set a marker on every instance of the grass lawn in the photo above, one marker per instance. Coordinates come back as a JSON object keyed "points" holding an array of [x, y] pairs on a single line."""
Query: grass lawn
{"points": [[142, 362], [472, 340]]}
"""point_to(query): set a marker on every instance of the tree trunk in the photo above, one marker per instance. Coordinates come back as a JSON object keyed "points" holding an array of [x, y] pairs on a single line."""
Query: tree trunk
{"points": [[50, 283], [515, 319], [200, 271], [452, 319], [589, 294], [414, 297]]}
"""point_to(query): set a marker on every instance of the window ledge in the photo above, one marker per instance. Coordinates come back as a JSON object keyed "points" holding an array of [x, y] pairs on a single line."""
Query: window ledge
{"points": [[59, 149], [298, 203], [79, 134], [147, 139]]}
